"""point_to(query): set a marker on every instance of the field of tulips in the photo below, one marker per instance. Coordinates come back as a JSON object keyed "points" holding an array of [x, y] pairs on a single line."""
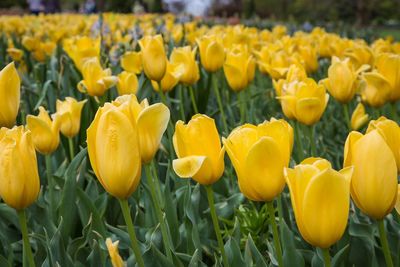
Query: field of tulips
{"points": [[155, 140]]}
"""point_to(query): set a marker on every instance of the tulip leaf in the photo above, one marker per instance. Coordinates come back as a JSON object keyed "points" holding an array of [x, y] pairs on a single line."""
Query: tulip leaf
{"points": [[43, 94], [340, 256]]}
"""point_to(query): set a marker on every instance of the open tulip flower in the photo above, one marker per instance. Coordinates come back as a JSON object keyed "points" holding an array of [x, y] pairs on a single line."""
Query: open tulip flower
{"points": [[127, 83], [70, 111], [359, 117], [186, 57]]}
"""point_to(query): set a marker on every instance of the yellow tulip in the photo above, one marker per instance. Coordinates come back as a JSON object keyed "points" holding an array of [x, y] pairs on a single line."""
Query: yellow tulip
{"points": [[239, 68], [320, 199], [132, 62], [127, 83], [96, 81], [389, 66], [341, 82], [15, 53], [153, 57], [151, 123], [186, 58], [170, 79], [45, 132], [375, 89], [359, 117], [295, 72], [212, 54], [390, 131], [19, 178], [82, 48], [113, 147], [259, 154], [359, 54], [304, 100], [198, 147], [374, 183], [70, 114], [9, 95], [30, 43], [112, 248]]}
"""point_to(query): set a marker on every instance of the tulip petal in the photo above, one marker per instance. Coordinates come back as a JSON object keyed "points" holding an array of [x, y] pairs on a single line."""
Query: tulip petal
{"points": [[188, 167]]}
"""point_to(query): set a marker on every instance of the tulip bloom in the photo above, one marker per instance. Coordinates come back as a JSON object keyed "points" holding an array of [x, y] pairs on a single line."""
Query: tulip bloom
{"points": [[113, 147], [151, 123], [132, 62], [239, 68], [259, 154], [390, 131], [70, 111], [295, 73], [127, 83], [81, 49], [19, 178], [359, 117], [96, 81], [112, 248], [9, 95], [375, 89], [389, 66], [304, 101], [374, 183], [170, 79], [45, 132], [199, 151], [320, 199], [186, 57], [153, 57], [212, 54]]}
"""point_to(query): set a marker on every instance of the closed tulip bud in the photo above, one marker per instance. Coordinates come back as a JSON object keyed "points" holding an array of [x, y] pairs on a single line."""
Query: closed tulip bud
{"points": [[320, 199], [390, 131], [359, 117], [113, 147], [9, 95], [151, 123], [198, 147], [45, 132], [153, 57], [132, 62], [304, 100], [69, 111], [96, 81], [239, 68], [112, 248], [375, 89], [374, 182], [259, 154], [389, 66], [212, 54], [186, 57], [170, 79], [127, 83], [341, 81], [19, 178]]}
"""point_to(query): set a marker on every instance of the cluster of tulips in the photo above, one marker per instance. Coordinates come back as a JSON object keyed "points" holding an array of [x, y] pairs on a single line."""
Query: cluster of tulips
{"points": [[119, 59]]}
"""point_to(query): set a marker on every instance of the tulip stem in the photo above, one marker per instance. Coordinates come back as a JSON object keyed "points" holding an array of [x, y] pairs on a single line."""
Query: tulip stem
{"points": [[181, 105], [195, 109], [71, 148], [51, 186], [159, 213], [210, 197], [300, 150], [395, 117], [131, 231], [384, 243], [312, 140], [162, 95], [221, 107], [27, 250], [242, 100], [346, 115], [275, 233], [327, 257]]}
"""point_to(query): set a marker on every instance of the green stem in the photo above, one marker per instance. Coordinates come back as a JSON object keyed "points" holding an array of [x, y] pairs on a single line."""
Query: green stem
{"points": [[159, 213], [346, 115], [162, 95], [327, 257], [275, 233], [312, 141], [221, 107], [181, 105], [210, 197], [131, 231], [71, 148], [395, 117], [299, 142], [280, 211], [27, 250], [384, 243], [243, 105], [195, 109], [51, 187]]}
